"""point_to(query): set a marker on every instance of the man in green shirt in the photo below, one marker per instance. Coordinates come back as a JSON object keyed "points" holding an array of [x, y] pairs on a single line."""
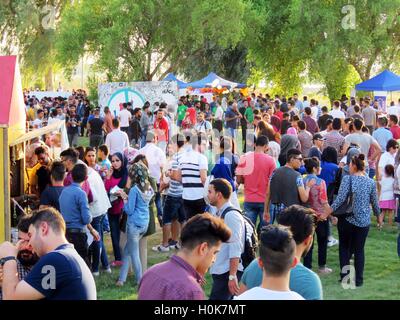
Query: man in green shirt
{"points": [[181, 112], [249, 115]]}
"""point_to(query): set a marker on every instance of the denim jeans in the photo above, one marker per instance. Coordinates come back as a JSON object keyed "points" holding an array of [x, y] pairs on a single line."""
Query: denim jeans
{"points": [[144, 136], [131, 252], [254, 210], [98, 248], [371, 173], [231, 132], [159, 206], [220, 289], [115, 235]]}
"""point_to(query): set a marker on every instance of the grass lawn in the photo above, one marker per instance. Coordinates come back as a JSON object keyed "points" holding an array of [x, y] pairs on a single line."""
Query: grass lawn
{"points": [[382, 268]]}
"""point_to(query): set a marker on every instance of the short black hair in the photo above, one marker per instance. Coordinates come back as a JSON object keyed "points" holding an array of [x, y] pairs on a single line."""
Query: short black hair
{"points": [[115, 123], [178, 139], [277, 250], [204, 228], [311, 163], [329, 154], [40, 150], [57, 171], [223, 186], [104, 149], [392, 143], [358, 124], [292, 153], [262, 141], [324, 109], [79, 173], [337, 124], [394, 118], [301, 124], [300, 220], [307, 110], [24, 223], [70, 154]]}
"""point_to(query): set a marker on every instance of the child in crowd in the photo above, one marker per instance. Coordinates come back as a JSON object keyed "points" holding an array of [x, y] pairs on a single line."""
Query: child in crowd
{"points": [[318, 201], [387, 202]]}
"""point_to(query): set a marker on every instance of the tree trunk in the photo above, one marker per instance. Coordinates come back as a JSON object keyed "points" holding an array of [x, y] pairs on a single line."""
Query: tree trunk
{"points": [[48, 79]]}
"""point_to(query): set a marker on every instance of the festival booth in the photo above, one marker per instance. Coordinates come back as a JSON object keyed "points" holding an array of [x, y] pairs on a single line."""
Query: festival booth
{"points": [[13, 141], [381, 84]]}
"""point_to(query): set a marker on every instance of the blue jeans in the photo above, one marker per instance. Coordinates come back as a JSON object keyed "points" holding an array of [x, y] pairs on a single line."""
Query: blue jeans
{"points": [[159, 206], [106, 224], [231, 132], [131, 252], [371, 173], [254, 210], [115, 235], [144, 136], [98, 246]]}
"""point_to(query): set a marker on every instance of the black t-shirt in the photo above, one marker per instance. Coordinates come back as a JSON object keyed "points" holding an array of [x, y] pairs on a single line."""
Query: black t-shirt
{"points": [[72, 128], [50, 197], [43, 175], [96, 126], [322, 121], [243, 121]]}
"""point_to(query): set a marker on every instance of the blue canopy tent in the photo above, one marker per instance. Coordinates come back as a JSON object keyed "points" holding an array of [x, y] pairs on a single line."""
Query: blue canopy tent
{"points": [[213, 80], [385, 81], [172, 77]]}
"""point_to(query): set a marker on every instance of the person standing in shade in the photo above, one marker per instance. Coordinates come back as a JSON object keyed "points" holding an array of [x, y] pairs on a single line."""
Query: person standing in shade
{"points": [[135, 129], [369, 115], [96, 128], [145, 123], [124, 117], [231, 118], [316, 149]]}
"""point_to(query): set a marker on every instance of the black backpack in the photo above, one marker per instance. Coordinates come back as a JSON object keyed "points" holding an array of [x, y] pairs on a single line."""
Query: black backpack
{"points": [[251, 239]]}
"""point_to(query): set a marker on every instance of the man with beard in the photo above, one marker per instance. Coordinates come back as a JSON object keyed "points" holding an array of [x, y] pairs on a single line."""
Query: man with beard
{"points": [[304, 281], [135, 130], [40, 177], [60, 273], [26, 258]]}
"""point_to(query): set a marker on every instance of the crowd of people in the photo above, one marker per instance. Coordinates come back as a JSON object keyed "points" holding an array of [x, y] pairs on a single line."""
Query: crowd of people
{"points": [[297, 164]]}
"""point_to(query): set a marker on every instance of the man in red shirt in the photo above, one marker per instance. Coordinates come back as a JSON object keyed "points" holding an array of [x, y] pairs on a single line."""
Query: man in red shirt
{"points": [[394, 127], [161, 130]]}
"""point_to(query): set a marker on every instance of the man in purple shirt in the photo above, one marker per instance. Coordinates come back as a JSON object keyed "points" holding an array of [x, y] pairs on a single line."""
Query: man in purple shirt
{"points": [[181, 277], [311, 124]]}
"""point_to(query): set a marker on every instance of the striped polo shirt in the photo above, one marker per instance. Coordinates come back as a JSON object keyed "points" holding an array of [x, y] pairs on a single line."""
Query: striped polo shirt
{"points": [[191, 164], [175, 187]]}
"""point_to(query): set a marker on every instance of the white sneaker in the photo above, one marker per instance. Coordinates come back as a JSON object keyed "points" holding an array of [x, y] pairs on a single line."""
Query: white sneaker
{"points": [[160, 248], [95, 274], [333, 242], [108, 270]]}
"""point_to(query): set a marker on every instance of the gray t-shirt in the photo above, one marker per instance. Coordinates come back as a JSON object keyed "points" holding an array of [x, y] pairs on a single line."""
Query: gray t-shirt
{"points": [[369, 115], [364, 140]]}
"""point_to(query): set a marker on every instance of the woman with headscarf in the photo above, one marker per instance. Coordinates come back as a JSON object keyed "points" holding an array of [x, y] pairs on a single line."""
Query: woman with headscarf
{"points": [[287, 142], [138, 218], [115, 182]]}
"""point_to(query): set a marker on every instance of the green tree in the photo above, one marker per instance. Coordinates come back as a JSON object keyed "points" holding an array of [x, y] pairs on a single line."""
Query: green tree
{"points": [[145, 39], [27, 27]]}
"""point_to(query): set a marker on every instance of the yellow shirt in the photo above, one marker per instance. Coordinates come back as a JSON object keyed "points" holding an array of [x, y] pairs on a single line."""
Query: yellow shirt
{"points": [[31, 114]]}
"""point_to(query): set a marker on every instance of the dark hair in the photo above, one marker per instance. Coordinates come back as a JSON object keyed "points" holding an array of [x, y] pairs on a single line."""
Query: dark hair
{"points": [[225, 143], [358, 124], [359, 162], [81, 152], [365, 129], [324, 109], [329, 154], [24, 223], [223, 186], [204, 228], [307, 110], [328, 122], [79, 173], [70, 154], [277, 250], [115, 123], [394, 118], [336, 104], [292, 153], [285, 115], [103, 148], [336, 124], [51, 216], [382, 121], [262, 141], [389, 170], [300, 220], [141, 157], [311, 163], [87, 150], [392, 143], [356, 108], [301, 124], [57, 171], [178, 139], [40, 150]]}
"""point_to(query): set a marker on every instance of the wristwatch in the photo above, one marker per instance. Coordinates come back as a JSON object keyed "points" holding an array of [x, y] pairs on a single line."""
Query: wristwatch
{"points": [[231, 277], [5, 259]]}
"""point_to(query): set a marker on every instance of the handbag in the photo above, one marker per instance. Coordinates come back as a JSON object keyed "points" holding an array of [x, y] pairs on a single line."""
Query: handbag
{"points": [[123, 221], [346, 208]]}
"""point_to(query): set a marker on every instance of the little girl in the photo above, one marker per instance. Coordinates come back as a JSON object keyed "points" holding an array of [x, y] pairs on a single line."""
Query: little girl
{"points": [[387, 201], [318, 201]]}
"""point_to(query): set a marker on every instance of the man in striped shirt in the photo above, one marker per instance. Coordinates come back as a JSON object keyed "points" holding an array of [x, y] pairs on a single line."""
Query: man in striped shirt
{"points": [[193, 175], [173, 212]]}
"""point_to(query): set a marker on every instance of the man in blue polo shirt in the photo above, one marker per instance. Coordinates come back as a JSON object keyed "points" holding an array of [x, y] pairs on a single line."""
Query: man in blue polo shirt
{"points": [[60, 274]]}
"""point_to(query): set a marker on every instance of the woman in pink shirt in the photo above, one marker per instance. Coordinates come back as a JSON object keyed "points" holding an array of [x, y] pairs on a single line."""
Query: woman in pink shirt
{"points": [[116, 178]]}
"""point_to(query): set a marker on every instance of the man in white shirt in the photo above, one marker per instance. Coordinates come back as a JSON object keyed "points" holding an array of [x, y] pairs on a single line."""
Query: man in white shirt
{"points": [[277, 258], [117, 140], [125, 117], [336, 112], [38, 122], [157, 160], [395, 110]]}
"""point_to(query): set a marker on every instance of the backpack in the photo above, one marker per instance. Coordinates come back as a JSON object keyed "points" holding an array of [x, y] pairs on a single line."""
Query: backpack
{"points": [[251, 239]]}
